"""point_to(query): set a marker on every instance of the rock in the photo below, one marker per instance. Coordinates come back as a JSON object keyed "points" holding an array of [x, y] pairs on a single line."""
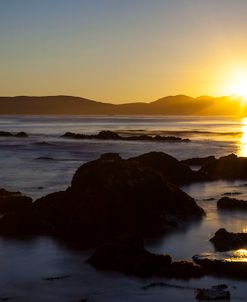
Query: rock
{"points": [[21, 134], [9, 134], [56, 278], [221, 267], [13, 201], [44, 158], [5, 134], [226, 167], [198, 161], [169, 167], [225, 241], [108, 198], [131, 258], [228, 203], [110, 135], [212, 294], [231, 193]]}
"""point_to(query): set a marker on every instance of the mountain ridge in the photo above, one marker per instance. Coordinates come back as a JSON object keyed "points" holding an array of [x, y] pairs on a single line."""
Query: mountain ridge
{"points": [[169, 105]]}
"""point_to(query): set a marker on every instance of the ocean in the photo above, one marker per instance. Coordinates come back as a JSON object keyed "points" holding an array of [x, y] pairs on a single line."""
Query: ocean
{"points": [[25, 263]]}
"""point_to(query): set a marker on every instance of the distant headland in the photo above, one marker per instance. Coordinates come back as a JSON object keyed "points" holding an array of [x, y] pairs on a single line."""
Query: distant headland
{"points": [[170, 105]]}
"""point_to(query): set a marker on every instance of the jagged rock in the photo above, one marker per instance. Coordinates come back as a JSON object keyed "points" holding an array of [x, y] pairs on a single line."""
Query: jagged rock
{"points": [[110, 135], [226, 241], [231, 204], [226, 167]]}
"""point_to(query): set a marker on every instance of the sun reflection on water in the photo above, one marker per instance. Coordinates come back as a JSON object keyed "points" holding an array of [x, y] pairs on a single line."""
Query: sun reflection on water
{"points": [[243, 139], [238, 256]]}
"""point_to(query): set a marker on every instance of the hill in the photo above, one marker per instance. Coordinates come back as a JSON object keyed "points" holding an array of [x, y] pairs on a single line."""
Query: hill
{"points": [[170, 105]]}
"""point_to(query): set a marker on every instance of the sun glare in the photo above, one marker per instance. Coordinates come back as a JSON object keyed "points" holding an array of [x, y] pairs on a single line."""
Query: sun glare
{"points": [[241, 88], [238, 84]]}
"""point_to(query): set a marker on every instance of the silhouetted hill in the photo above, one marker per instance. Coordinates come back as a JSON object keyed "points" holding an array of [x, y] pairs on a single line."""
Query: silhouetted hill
{"points": [[69, 105]]}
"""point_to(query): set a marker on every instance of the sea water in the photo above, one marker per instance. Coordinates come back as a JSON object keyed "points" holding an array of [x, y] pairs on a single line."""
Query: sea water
{"points": [[24, 264]]}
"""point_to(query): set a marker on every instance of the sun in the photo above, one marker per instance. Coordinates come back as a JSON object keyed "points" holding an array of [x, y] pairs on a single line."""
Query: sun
{"points": [[237, 84], [240, 88]]}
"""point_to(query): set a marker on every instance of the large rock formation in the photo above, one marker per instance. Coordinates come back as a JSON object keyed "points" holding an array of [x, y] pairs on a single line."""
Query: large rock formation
{"points": [[108, 198], [226, 167]]}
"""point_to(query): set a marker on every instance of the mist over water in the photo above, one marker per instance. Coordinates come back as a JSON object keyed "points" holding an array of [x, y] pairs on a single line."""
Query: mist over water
{"points": [[24, 264]]}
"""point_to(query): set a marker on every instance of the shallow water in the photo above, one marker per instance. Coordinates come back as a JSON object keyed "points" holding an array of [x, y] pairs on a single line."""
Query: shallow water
{"points": [[25, 264]]}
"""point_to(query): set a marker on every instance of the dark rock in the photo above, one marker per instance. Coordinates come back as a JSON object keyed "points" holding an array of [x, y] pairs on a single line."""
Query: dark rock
{"points": [[5, 134], [227, 167], [231, 204], [198, 161], [21, 134], [225, 241], [13, 201], [108, 198], [110, 135], [169, 167], [212, 294], [56, 278], [225, 268], [209, 199], [44, 158], [9, 134], [231, 193], [132, 258]]}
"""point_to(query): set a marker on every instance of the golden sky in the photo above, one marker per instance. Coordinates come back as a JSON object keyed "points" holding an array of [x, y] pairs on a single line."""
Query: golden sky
{"points": [[123, 51]]}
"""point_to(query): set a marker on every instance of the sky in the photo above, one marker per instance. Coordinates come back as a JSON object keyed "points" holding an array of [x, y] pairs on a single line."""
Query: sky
{"points": [[122, 51]]}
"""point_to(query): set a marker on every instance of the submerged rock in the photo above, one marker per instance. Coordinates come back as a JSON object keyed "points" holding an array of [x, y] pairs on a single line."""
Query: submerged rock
{"points": [[108, 198], [231, 204], [21, 134], [212, 294], [130, 257], [226, 241]]}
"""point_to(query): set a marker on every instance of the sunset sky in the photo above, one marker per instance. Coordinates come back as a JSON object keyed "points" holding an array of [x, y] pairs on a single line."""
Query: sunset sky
{"points": [[123, 51]]}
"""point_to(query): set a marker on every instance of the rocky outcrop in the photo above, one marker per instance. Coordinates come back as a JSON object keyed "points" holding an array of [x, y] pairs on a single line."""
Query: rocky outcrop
{"points": [[226, 167], [226, 241], [9, 134], [171, 169], [130, 257], [108, 198], [228, 203], [218, 267], [110, 135], [198, 161]]}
